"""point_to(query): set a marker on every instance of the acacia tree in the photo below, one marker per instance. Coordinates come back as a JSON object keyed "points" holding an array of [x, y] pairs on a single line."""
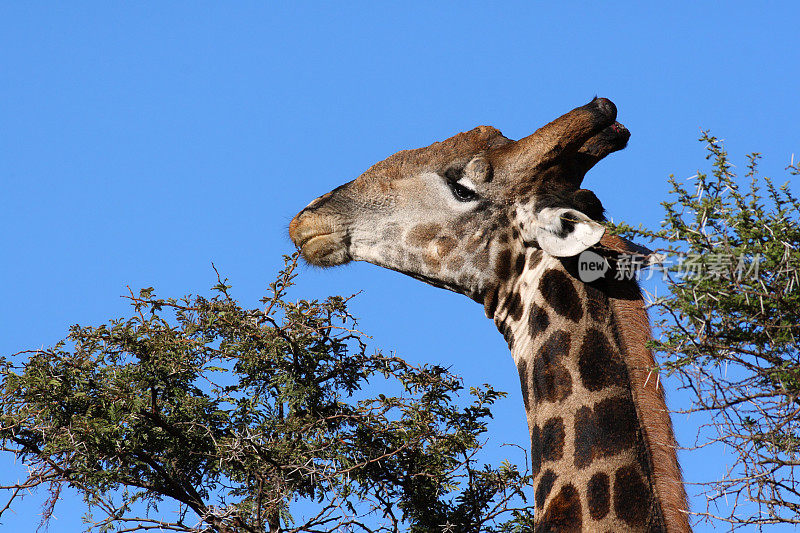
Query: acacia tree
{"points": [[730, 325], [233, 414]]}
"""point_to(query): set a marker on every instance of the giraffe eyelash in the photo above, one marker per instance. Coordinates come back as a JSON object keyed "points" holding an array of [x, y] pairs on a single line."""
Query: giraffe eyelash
{"points": [[461, 191]]}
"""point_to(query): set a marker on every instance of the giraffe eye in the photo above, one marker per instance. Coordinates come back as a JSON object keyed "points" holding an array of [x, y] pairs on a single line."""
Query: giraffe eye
{"points": [[462, 192]]}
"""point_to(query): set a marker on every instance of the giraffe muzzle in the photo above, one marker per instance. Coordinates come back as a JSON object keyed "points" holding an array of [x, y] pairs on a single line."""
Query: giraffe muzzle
{"points": [[319, 240]]}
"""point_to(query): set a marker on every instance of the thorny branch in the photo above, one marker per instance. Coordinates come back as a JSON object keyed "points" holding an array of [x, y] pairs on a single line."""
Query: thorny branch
{"points": [[230, 415], [732, 340]]}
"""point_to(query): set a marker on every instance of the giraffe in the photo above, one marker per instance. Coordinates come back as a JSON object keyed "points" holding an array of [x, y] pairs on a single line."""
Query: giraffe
{"points": [[503, 222]]}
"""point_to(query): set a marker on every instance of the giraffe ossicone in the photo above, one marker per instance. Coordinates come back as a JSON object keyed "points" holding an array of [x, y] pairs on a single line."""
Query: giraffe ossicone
{"points": [[504, 222]]}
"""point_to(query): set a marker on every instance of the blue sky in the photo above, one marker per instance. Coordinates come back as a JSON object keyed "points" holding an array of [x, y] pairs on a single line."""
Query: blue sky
{"points": [[142, 141]]}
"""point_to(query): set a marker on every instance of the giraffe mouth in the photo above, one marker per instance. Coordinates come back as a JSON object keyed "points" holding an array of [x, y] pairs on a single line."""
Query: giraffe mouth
{"points": [[319, 243], [327, 249]]}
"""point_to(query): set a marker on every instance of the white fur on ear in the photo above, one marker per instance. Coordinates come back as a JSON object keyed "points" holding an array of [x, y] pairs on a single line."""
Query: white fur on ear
{"points": [[564, 232]]}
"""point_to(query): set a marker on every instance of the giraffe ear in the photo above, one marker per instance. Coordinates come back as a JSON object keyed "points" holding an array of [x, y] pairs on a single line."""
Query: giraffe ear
{"points": [[565, 232]]}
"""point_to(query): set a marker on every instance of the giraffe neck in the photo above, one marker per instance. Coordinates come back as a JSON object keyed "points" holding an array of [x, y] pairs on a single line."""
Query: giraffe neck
{"points": [[602, 449]]}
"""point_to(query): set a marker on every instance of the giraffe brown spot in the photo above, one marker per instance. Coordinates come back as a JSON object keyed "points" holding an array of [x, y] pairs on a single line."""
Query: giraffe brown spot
{"points": [[513, 306], [422, 234], [503, 238], [455, 263], [560, 294], [563, 515], [597, 304], [536, 450], [514, 233], [537, 321], [616, 335], [553, 439], [473, 242], [544, 487], [508, 333], [431, 261], [536, 257], [519, 264], [445, 245], [490, 302], [631, 496], [551, 380], [599, 365], [598, 494], [606, 430], [502, 265], [460, 228], [522, 369]]}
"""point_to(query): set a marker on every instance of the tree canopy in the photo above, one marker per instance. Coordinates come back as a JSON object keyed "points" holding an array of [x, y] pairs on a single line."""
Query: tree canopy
{"points": [[229, 415], [729, 325]]}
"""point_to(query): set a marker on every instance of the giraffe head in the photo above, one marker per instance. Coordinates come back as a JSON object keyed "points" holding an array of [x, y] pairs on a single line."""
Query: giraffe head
{"points": [[478, 213], [461, 213]]}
